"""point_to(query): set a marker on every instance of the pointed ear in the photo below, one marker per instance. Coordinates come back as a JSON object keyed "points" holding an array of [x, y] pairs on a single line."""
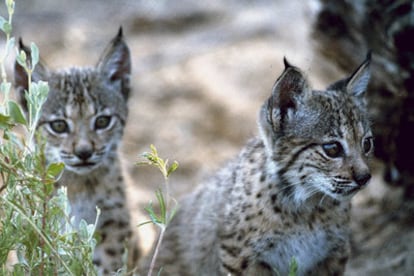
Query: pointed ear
{"points": [[115, 64], [21, 80], [357, 83], [288, 87], [288, 92]]}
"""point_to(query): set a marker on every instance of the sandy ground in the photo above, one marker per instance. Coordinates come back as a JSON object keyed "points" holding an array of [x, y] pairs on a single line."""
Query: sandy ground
{"points": [[200, 74]]}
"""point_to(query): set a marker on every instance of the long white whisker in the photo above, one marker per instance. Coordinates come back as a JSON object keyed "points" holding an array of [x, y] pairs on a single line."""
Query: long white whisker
{"points": [[323, 197]]}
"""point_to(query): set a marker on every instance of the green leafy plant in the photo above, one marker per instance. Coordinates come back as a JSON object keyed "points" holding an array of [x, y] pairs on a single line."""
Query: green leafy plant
{"points": [[293, 267], [35, 223], [166, 211]]}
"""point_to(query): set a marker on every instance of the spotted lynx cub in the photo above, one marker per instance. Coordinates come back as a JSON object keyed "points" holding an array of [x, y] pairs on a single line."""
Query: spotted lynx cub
{"points": [[83, 121], [288, 193]]}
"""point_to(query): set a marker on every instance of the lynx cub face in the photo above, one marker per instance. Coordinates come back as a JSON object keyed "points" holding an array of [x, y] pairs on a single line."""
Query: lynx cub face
{"points": [[82, 122], [86, 110], [83, 127], [320, 140], [287, 195]]}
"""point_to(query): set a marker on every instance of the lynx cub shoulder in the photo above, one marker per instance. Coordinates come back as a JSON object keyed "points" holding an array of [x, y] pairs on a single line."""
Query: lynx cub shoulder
{"points": [[288, 193], [83, 121]]}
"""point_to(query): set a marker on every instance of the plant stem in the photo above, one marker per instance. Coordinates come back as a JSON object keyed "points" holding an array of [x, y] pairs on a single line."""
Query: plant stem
{"points": [[167, 202], [157, 248], [41, 241], [162, 227], [41, 234], [6, 49], [30, 106]]}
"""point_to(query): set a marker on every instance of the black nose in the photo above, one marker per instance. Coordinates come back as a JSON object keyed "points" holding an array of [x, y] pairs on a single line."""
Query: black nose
{"points": [[84, 154], [362, 178]]}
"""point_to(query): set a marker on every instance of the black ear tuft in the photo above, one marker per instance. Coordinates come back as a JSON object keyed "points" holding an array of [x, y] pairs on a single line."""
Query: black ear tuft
{"points": [[288, 91], [288, 94], [120, 32], [22, 46], [288, 87], [286, 63]]}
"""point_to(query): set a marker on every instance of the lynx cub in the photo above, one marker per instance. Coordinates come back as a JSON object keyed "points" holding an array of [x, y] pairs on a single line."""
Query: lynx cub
{"points": [[83, 121], [288, 193]]}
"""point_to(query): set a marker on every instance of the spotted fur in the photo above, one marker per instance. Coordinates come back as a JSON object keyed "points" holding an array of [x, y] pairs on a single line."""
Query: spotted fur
{"points": [[82, 122], [287, 195]]}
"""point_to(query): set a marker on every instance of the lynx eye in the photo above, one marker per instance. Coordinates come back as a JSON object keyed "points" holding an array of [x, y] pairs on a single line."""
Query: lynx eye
{"points": [[333, 149], [102, 122], [59, 126], [367, 145]]}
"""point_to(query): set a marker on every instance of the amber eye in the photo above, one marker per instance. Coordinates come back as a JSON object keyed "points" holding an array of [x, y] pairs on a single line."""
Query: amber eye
{"points": [[102, 122], [367, 145], [59, 126], [333, 149]]}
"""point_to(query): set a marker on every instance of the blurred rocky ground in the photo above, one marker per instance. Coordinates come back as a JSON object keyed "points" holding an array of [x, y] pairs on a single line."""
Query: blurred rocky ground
{"points": [[201, 70]]}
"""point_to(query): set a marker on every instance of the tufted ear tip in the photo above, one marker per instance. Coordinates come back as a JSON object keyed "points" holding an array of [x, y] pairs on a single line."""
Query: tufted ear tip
{"points": [[287, 93], [21, 44], [120, 33], [286, 63], [289, 85]]}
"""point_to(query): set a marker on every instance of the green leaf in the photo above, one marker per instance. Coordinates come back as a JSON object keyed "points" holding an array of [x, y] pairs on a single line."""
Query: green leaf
{"points": [[162, 205], [172, 168], [153, 150], [173, 211], [143, 223], [10, 6], [154, 218], [16, 113], [293, 267], [9, 45], [5, 87], [43, 91], [83, 230], [35, 54], [6, 135], [2, 21], [90, 228], [21, 58], [6, 27], [5, 121], [55, 169]]}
